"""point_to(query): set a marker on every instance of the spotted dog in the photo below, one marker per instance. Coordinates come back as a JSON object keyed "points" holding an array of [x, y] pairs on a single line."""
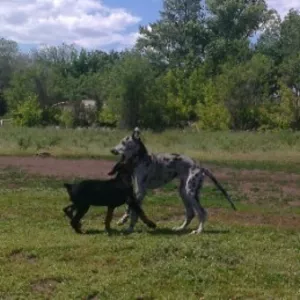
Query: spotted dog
{"points": [[154, 170]]}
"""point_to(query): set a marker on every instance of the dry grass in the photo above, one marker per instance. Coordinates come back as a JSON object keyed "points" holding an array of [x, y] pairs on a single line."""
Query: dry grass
{"points": [[279, 150]]}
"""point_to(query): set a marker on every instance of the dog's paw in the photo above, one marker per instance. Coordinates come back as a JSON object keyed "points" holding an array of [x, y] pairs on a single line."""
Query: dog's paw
{"points": [[152, 225], [177, 228], [197, 231], [108, 232], [128, 230]]}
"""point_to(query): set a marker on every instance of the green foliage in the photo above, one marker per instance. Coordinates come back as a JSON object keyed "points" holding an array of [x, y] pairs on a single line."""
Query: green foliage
{"points": [[290, 34], [28, 113], [244, 88], [269, 41], [179, 37], [212, 114], [177, 108], [195, 63], [21, 87], [234, 19], [50, 116], [107, 116], [67, 118], [130, 81]]}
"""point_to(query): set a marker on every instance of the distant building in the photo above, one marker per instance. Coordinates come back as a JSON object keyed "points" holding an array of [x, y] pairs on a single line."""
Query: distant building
{"points": [[89, 103], [66, 105]]}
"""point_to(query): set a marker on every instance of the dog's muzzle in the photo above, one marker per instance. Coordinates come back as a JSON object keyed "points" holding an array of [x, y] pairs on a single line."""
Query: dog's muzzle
{"points": [[114, 151]]}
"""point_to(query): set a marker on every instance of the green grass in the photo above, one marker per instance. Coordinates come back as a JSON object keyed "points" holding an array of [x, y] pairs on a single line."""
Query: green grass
{"points": [[265, 150], [42, 258]]}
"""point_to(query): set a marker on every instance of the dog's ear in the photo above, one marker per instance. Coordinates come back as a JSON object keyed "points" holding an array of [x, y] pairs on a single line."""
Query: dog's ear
{"points": [[136, 133], [112, 172]]}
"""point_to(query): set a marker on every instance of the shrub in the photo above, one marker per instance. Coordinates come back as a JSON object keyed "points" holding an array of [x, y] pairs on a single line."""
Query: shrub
{"points": [[67, 118], [212, 114], [28, 113]]}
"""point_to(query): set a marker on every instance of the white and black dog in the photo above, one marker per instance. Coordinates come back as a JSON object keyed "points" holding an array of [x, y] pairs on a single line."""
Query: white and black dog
{"points": [[154, 170]]}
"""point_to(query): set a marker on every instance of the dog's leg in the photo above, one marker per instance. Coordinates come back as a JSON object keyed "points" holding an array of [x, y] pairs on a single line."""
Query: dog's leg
{"points": [[127, 213], [68, 210], [195, 196], [125, 217], [141, 192], [145, 219], [134, 206], [75, 222], [189, 212], [202, 215], [108, 218]]}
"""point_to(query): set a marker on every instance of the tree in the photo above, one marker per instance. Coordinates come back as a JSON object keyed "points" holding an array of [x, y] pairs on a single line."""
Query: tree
{"points": [[290, 34], [244, 88], [178, 38], [236, 19], [10, 61], [230, 25], [8, 55], [129, 81], [269, 41], [21, 87], [290, 85]]}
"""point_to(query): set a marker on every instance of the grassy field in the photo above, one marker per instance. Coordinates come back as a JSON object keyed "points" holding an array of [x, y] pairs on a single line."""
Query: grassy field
{"points": [[253, 253], [267, 150], [250, 254]]}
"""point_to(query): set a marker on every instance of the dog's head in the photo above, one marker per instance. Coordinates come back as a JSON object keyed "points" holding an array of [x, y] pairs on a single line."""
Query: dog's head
{"points": [[124, 172], [130, 146]]}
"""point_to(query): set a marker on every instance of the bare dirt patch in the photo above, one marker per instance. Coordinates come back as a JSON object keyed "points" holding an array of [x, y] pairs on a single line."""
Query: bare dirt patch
{"points": [[61, 168], [46, 286], [20, 255]]}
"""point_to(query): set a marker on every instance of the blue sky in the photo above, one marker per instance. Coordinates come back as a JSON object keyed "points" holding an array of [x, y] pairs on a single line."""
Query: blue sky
{"points": [[93, 24]]}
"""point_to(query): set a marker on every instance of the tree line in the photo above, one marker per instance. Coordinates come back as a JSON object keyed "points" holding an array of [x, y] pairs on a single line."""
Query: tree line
{"points": [[222, 64]]}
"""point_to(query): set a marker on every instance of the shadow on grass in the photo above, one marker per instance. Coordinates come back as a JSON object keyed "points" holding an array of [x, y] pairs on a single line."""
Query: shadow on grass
{"points": [[158, 231], [104, 232], [169, 231], [110, 233]]}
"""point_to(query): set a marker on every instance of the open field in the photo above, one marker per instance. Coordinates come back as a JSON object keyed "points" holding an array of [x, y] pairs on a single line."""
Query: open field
{"points": [[249, 254], [265, 150]]}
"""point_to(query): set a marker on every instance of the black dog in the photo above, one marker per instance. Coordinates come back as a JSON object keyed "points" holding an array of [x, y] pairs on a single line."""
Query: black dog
{"points": [[111, 193]]}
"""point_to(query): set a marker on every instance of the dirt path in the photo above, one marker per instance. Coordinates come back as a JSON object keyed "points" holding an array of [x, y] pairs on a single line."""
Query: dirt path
{"points": [[99, 168], [255, 186], [87, 168]]}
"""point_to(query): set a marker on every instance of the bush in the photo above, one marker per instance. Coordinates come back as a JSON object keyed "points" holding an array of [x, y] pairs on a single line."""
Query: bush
{"points": [[28, 113], [280, 115], [212, 115], [67, 118], [107, 117], [51, 116]]}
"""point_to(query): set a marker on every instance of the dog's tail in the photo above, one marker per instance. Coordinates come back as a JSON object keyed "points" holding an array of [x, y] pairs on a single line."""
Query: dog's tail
{"points": [[216, 182], [68, 186]]}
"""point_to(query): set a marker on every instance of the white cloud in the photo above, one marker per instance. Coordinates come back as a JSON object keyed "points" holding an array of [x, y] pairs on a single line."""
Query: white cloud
{"points": [[283, 6], [87, 23]]}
